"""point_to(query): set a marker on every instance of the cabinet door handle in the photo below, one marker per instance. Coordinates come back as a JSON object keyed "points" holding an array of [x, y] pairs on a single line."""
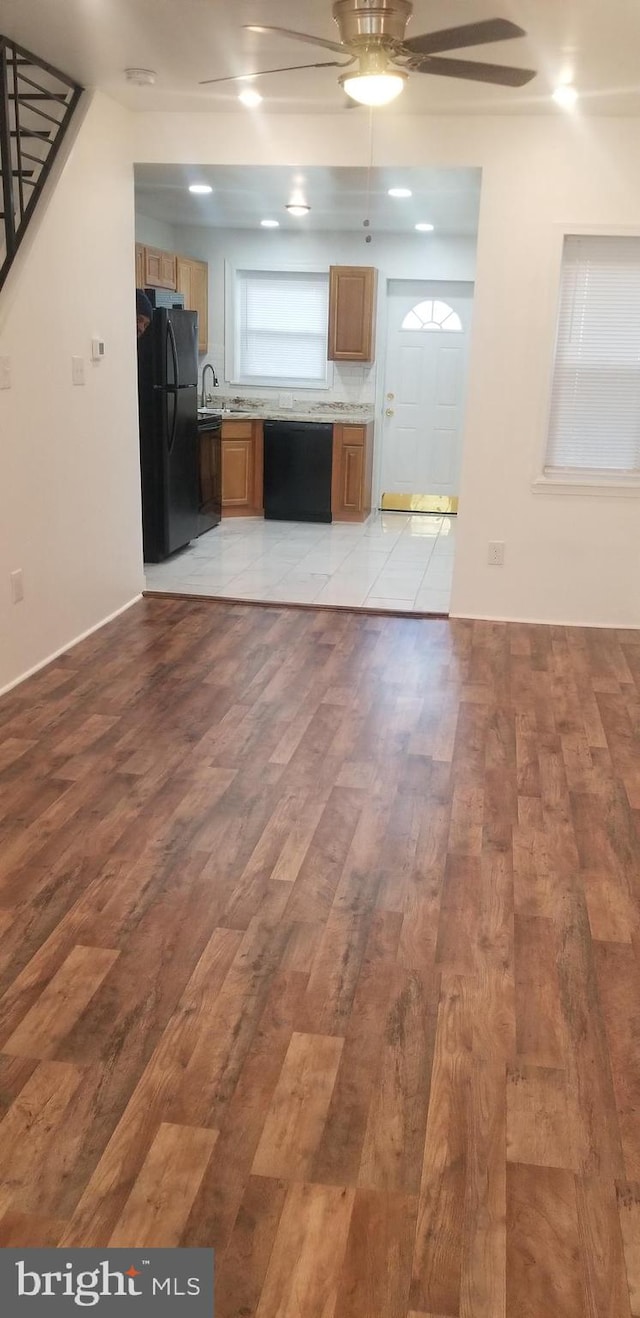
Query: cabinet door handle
{"points": [[389, 412]]}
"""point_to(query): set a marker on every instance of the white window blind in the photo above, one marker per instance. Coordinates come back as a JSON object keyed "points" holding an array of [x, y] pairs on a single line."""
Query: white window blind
{"points": [[595, 410], [281, 327]]}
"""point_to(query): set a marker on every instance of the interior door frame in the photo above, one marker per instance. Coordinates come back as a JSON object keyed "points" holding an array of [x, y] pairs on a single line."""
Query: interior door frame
{"points": [[383, 341]]}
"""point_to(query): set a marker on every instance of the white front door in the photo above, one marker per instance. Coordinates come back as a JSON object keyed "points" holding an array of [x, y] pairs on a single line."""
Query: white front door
{"points": [[428, 329]]}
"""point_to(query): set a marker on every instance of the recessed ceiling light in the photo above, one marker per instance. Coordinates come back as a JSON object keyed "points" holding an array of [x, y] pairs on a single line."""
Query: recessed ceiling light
{"points": [[566, 96], [400, 192], [296, 208], [424, 228], [270, 224], [250, 98], [200, 189]]}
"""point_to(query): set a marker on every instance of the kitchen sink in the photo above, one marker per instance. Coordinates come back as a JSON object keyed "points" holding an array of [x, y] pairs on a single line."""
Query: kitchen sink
{"points": [[222, 411]]}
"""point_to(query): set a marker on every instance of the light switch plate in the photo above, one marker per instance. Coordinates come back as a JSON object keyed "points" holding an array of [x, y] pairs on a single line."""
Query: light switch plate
{"points": [[17, 586], [5, 372], [77, 370]]}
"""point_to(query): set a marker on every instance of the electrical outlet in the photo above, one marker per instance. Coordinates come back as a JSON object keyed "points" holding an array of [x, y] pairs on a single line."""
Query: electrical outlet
{"points": [[17, 585], [285, 400], [496, 553], [5, 372], [77, 370]]}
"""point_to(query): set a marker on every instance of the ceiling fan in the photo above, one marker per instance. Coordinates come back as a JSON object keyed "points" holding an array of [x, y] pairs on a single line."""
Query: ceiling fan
{"points": [[372, 36]]}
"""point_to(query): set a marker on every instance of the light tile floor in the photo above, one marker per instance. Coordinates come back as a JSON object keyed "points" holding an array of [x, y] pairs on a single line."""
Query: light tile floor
{"points": [[395, 561]]}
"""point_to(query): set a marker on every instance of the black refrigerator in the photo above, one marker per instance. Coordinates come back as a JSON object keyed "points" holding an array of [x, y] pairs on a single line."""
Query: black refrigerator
{"points": [[168, 404]]}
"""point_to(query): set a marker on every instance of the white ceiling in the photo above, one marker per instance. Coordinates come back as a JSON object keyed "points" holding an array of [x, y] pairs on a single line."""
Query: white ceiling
{"points": [[597, 42], [340, 199]]}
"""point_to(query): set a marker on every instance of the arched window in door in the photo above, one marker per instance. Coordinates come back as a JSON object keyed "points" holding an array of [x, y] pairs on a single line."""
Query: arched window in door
{"points": [[432, 315]]}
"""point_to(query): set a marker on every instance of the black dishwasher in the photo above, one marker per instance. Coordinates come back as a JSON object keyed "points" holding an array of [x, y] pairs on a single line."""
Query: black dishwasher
{"points": [[297, 470]]}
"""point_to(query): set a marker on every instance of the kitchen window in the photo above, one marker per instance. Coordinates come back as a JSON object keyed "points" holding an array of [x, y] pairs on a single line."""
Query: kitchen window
{"points": [[281, 323], [594, 429]]}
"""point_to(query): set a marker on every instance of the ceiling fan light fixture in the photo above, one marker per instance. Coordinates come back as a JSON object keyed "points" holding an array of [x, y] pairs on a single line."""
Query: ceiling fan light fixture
{"points": [[298, 208], [374, 88]]}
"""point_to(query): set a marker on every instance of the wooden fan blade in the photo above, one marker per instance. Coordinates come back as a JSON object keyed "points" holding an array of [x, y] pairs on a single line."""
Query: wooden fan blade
{"points": [[471, 34], [297, 36], [499, 74], [289, 68]]}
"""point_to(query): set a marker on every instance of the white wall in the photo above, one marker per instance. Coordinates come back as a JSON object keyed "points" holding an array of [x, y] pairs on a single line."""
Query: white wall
{"points": [[69, 475], [395, 256], [569, 558], [155, 233]]}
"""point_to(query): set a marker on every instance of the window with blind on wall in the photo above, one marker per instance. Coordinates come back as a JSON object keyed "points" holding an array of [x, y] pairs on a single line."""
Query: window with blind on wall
{"points": [[594, 429], [281, 321]]}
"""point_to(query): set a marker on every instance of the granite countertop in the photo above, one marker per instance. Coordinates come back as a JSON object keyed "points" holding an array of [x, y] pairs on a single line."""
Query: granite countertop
{"points": [[347, 413]]}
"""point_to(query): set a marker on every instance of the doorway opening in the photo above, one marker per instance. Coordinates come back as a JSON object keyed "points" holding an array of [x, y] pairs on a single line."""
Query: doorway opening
{"points": [[425, 381], [414, 258]]}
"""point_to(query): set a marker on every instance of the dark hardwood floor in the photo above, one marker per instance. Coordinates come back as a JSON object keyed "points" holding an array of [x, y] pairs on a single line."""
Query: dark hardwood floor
{"points": [[319, 944]]}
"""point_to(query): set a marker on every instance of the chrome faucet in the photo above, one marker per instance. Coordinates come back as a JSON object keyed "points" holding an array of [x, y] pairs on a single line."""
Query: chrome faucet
{"points": [[215, 385]]}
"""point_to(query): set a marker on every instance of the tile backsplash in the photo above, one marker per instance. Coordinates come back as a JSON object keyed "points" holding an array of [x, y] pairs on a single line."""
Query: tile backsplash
{"points": [[352, 384]]}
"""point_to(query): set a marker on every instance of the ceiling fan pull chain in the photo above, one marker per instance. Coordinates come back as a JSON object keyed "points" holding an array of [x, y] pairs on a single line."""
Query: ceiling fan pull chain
{"points": [[367, 222]]}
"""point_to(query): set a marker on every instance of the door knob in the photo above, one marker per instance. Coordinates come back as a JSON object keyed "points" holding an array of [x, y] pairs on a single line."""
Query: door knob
{"points": [[389, 412]]}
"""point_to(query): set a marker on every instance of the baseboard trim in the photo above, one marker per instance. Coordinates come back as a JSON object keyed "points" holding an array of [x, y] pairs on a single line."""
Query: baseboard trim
{"points": [[548, 622], [69, 646]]}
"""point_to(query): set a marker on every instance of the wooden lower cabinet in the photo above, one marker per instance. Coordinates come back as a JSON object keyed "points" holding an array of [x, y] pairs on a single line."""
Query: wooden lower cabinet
{"points": [[351, 473], [242, 468], [243, 471]]}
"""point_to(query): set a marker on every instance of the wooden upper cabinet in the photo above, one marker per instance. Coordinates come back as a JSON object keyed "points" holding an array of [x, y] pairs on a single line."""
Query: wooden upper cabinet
{"points": [[352, 313], [168, 269], [200, 301], [183, 280], [139, 265], [159, 268], [192, 279]]}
